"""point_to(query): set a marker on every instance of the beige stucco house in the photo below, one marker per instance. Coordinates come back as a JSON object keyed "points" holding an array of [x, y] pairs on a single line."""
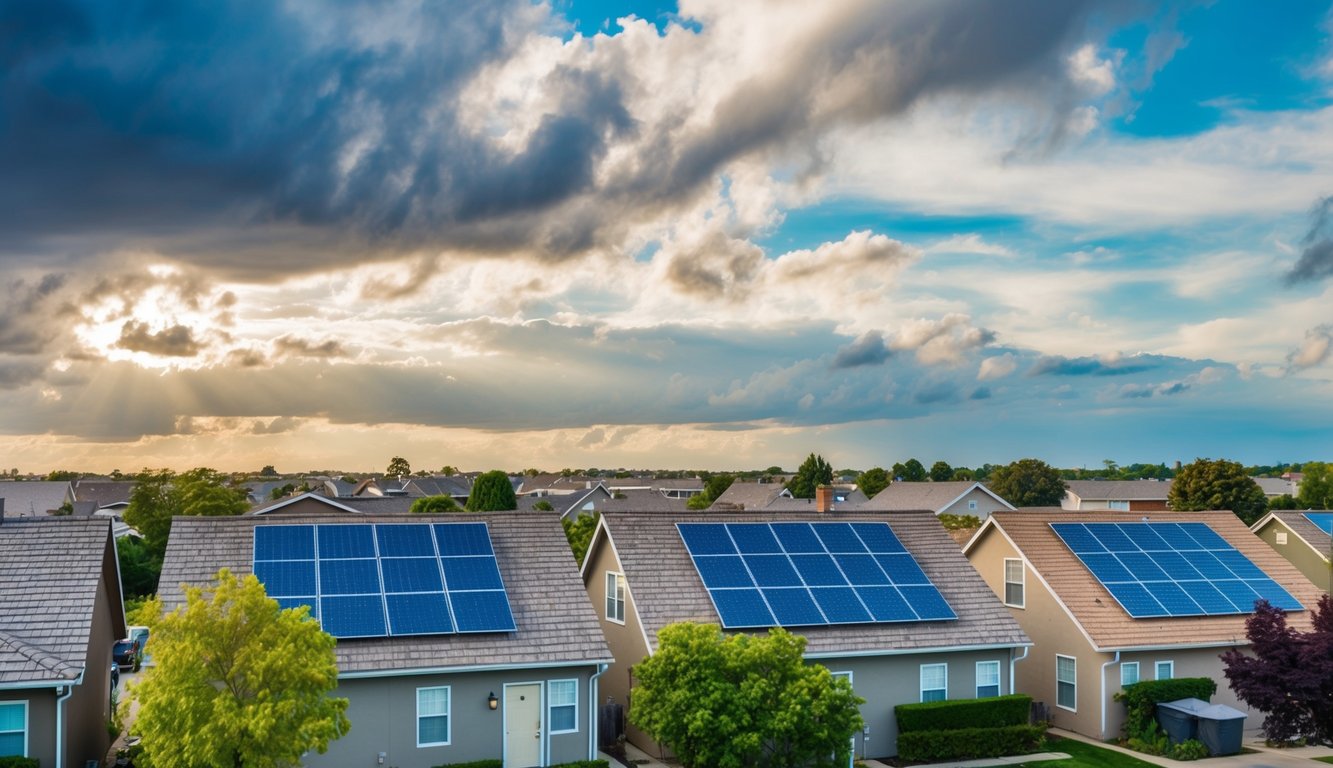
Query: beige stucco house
{"points": [[1297, 537]]}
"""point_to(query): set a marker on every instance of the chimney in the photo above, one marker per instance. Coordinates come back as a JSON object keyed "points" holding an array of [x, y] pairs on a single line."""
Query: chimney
{"points": [[823, 499], [2, 510]]}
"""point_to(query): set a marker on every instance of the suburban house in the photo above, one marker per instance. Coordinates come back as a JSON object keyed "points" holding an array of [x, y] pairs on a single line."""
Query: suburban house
{"points": [[104, 494], [886, 599], [1277, 486], [457, 487], [953, 497], [742, 495], [316, 503], [60, 615], [1116, 495], [33, 498], [1303, 538], [461, 637], [1112, 598]]}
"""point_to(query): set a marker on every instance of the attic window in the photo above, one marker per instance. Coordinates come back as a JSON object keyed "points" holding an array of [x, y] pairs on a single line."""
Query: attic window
{"points": [[1282, 537]]}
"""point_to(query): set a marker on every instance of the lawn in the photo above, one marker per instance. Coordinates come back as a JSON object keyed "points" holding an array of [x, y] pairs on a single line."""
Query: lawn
{"points": [[1328, 759], [1084, 755]]}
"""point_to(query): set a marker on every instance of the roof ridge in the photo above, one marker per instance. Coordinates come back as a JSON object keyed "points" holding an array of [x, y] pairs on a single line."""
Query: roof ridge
{"points": [[38, 655]]}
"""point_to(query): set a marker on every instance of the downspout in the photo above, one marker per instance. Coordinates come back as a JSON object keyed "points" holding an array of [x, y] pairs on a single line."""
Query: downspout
{"points": [[1014, 660], [1115, 660], [592, 710], [60, 717]]}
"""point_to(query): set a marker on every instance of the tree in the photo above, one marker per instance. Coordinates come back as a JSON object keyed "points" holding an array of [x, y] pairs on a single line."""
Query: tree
{"points": [[62, 474], [160, 495], [1285, 501], [814, 472], [430, 505], [1287, 674], [963, 473], [1221, 484], [911, 471], [579, 532], [398, 467], [543, 506], [872, 481], [1028, 483], [742, 701], [140, 567], [268, 471], [448, 469], [1316, 489], [492, 492], [237, 682], [941, 472]]}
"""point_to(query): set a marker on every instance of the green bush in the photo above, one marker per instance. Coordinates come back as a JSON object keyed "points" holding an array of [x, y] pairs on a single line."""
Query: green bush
{"points": [[1141, 700], [993, 712], [1191, 749], [14, 761], [969, 743], [584, 764], [494, 763]]}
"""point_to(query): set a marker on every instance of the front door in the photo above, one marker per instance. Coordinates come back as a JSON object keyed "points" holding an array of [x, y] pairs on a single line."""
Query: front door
{"points": [[523, 725]]}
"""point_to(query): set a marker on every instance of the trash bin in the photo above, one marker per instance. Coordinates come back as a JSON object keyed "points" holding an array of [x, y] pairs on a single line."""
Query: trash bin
{"points": [[1180, 718], [1221, 729]]}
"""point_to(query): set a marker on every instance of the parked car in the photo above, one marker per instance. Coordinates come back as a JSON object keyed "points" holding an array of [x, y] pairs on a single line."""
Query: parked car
{"points": [[126, 654], [140, 636]]}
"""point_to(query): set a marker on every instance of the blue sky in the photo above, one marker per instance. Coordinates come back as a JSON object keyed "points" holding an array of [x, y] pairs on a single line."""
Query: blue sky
{"points": [[709, 235]]}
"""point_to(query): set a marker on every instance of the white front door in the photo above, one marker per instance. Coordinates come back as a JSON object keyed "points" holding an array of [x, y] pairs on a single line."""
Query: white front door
{"points": [[523, 725]]}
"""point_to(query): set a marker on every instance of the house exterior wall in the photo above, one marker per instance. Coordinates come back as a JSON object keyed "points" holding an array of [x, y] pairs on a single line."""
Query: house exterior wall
{"points": [[306, 506], [985, 504], [1299, 553], [41, 721], [383, 715], [88, 709], [1187, 662], [626, 641], [1078, 504]]}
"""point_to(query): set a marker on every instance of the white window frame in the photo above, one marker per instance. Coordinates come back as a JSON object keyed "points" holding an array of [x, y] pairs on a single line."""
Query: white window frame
{"points": [[1281, 537], [1022, 583], [999, 687], [1126, 666], [1118, 505], [26, 724], [551, 704], [1170, 669], [922, 686], [617, 593], [972, 505], [447, 715], [1072, 683]]}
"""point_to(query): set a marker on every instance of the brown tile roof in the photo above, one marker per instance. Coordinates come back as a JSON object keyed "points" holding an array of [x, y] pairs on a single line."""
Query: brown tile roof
{"points": [[1106, 623], [1120, 490], [666, 588], [556, 622]]}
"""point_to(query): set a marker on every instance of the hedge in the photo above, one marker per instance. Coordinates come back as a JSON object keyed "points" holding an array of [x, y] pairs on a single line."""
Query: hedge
{"points": [[993, 712], [584, 764], [969, 743], [475, 764], [14, 761], [1141, 699]]}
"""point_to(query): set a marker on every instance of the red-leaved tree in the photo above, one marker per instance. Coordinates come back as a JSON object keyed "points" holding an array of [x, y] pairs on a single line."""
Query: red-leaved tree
{"points": [[1289, 677]]}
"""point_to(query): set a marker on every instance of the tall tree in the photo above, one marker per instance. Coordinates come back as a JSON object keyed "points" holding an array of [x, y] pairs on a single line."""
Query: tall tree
{"points": [[237, 682], [1316, 489], [492, 492], [579, 532], [910, 471], [160, 495], [1028, 483], [940, 471], [398, 467], [872, 481], [743, 701], [1217, 484], [813, 472], [140, 567]]}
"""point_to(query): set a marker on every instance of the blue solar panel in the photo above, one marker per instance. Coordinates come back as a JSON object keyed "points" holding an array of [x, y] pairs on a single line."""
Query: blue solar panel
{"points": [[1175, 569], [1321, 520], [804, 574], [337, 541], [284, 542], [287, 578], [411, 574], [349, 577], [463, 539], [353, 615], [405, 540], [482, 611], [418, 614], [466, 573]]}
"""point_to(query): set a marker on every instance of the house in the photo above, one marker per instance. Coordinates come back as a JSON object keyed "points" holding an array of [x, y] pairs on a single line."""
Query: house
{"points": [[641, 576], [315, 503], [106, 494], [1303, 538], [1178, 588], [457, 487], [1118, 495], [953, 497], [518, 681], [33, 498], [1274, 487], [60, 615], [741, 495]]}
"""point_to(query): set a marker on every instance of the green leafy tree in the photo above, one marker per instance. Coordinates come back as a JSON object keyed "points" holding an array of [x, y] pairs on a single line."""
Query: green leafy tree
{"points": [[1316, 489], [1028, 483], [237, 682], [431, 505], [62, 474], [492, 492], [963, 473], [872, 481], [140, 567], [743, 701], [160, 495], [543, 506], [398, 467], [449, 469], [1217, 484], [941, 472], [911, 471], [813, 472], [268, 471], [579, 531], [1285, 501]]}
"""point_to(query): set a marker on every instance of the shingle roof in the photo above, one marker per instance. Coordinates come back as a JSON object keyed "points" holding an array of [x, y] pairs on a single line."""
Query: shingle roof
{"points": [[556, 622], [666, 588], [33, 498], [932, 496], [1302, 527], [1276, 486], [1120, 490], [750, 495], [104, 492], [50, 570], [641, 500], [1106, 623]]}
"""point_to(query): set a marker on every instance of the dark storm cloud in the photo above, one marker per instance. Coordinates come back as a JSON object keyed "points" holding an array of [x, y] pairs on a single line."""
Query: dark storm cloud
{"points": [[868, 349], [295, 346], [936, 392], [1056, 365], [1316, 261], [980, 393], [24, 328], [176, 341]]}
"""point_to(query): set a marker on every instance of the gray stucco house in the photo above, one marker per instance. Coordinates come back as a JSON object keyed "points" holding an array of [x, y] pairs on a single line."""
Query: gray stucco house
{"points": [[641, 577], [60, 615], [526, 695]]}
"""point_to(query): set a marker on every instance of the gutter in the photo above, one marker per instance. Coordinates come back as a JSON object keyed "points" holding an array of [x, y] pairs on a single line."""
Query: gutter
{"points": [[40, 684], [1014, 660], [592, 710], [60, 717], [1172, 647], [472, 668], [907, 651], [1115, 660]]}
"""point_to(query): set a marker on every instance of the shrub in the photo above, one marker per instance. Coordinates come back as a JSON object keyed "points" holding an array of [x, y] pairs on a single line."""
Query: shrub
{"points": [[969, 743], [14, 761], [584, 764], [993, 712], [493, 763], [1141, 700], [1190, 749]]}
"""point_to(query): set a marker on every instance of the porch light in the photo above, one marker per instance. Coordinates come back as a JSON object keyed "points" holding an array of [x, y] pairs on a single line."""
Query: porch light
{"points": [[492, 702]]}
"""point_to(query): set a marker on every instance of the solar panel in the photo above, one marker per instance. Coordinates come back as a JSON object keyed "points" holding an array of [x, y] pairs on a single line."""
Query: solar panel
{"points": [[363, 580], [1322, 520], [1171, 569], [796, 574]]}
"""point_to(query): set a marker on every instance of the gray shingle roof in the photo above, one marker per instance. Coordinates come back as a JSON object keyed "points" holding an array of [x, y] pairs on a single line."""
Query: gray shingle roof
{"points": [[925, 495], [750, 495], [556, 622], [666, 588], [1120, 490], [33, 498], [50, 571], [104, 492]]}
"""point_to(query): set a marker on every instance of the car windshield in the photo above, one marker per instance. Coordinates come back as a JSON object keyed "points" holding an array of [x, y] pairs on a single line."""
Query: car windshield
{"points": [[122, 645]]}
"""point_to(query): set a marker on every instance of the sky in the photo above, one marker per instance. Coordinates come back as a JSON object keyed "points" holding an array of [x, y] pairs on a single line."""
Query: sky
{"points": [[721, 234]]}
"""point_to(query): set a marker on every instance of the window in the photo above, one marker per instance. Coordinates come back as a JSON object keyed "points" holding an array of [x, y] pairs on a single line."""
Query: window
{"points": [[1282, 537], [14, 728], [988, 679], [1013, 583], [1164, 670], [972, 504], [615, 597], [1119, 506], [432, 716], [1129, 673], [934, 682], [562, 698], [1066, 682]]}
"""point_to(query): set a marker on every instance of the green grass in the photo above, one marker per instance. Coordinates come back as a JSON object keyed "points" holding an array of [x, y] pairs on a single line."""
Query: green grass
{"points": [[1327, 759], [1084, 755]]}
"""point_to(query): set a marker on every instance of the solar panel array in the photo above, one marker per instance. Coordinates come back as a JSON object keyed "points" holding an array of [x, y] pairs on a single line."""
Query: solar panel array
{"points": [[1171, 569], [1322, 520], [800, 574], [364, 580]]}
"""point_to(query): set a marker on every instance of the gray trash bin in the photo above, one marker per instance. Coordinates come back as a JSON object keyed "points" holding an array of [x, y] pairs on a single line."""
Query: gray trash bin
{"points": [[1180, 718], [1221, 729]]}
